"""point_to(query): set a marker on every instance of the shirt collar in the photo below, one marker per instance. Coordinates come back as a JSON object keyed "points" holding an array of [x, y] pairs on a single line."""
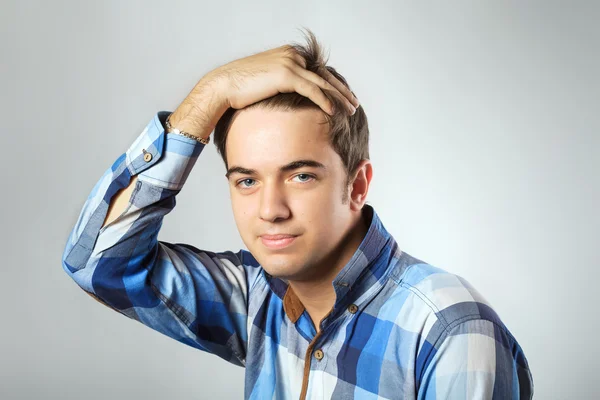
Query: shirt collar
{"points": [[366, 267]]}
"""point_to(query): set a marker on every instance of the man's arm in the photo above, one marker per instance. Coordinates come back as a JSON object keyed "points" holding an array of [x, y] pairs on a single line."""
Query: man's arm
{"points": [[195, 296], [476, 359]]}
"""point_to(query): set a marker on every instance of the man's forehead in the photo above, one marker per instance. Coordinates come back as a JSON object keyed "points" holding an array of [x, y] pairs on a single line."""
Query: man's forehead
{"points": [[272, 139], [260, 121]]}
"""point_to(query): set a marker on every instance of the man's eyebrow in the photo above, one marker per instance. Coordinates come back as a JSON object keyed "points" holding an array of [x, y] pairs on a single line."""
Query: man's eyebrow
{"points": [[285, 168]]}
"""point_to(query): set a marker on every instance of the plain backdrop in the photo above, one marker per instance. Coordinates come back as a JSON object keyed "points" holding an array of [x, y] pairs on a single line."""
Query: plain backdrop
{"points": [[484, 123]]}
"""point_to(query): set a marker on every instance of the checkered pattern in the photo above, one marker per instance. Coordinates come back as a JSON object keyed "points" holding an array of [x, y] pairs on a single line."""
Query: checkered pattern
{"points": [[414, 331]]}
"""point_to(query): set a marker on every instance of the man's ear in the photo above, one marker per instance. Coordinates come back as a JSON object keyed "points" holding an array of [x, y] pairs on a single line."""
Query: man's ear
{"points": [[359, 186]]}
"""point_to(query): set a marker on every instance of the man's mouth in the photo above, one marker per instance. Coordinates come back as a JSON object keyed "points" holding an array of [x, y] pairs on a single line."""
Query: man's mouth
{"points": [[276, 242]]}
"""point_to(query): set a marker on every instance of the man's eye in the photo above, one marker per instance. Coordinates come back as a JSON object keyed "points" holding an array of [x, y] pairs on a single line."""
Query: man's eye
{"points": [[244, 180], [305, 175]]}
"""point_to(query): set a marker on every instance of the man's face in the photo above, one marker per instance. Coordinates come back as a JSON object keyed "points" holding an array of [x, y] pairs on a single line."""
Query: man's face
{"points": [[305, 202]]}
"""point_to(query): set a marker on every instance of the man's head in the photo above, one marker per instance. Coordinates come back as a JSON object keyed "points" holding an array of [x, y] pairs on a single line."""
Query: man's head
{"points": [[293, 169]]}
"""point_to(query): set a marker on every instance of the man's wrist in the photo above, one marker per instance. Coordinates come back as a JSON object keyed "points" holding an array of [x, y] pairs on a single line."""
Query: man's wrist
{"points": [[170, 129], [199, 113], [188, 122]]}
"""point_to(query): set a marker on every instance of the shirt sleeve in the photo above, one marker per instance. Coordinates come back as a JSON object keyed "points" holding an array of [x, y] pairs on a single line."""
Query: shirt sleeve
{"points": [[476, 359], [197, 297]]}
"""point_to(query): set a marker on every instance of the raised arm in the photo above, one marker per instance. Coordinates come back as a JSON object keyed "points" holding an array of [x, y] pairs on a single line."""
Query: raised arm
{"points": [[195, 296]]}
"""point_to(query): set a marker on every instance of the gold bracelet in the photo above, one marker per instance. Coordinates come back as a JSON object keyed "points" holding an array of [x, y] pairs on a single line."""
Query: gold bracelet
{"points": [[178, 132]]}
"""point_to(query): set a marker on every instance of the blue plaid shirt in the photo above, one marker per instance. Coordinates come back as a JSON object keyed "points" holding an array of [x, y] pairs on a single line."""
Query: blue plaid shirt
{"points": [[400, 328]]}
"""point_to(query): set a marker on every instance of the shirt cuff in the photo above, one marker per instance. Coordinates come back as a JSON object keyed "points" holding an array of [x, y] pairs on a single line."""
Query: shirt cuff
{"points": [[162, 159]]}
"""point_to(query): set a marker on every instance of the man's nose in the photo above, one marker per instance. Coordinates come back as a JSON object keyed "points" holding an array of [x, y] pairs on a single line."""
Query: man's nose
{"points": [[273, 202]]}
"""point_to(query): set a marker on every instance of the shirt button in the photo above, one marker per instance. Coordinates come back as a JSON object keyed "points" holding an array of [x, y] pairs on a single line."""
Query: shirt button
{"points": [[352, 308], [319, 354], [147, 157]]}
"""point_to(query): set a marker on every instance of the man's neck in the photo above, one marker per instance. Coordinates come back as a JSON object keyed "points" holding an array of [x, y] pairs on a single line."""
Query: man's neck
{"points": [[317, 295]]}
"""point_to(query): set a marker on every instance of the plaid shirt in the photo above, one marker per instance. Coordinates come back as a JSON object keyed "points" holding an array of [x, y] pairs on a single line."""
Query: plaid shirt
{"points": [[399, 329]]}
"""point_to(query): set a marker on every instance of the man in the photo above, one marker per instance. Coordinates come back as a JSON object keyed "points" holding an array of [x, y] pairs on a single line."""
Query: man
{"points": [[323, 304]]}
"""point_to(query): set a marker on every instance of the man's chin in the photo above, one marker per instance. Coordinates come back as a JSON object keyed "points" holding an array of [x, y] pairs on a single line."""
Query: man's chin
{"points": [[280, 272], [281, 267]]}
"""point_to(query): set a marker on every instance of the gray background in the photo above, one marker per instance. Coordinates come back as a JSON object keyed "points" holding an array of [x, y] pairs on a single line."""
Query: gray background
{"points": [[485, 141]]}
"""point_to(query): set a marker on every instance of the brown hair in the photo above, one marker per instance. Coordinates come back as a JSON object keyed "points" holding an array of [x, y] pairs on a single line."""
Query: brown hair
{"points": [[348, 134]]}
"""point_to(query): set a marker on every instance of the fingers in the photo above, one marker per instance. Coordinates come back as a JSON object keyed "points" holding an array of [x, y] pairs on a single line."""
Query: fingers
{"points": [[324, 84], [341, 88], [291, 52], [299, 59], [311, 90]]}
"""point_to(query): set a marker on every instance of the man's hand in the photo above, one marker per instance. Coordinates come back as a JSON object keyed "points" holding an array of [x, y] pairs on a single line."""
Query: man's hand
{"points": [[251, 79]]}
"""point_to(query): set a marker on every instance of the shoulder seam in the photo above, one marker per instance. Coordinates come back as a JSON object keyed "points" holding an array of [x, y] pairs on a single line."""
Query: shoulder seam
{"points": [[427, 301], [448, 326]]}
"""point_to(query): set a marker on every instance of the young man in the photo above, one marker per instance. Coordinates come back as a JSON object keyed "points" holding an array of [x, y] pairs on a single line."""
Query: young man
{"points": [[323, 304]]}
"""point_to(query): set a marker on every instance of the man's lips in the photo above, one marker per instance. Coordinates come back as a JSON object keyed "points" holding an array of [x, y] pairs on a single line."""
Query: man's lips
{"points": [[277, 237], [275, 242]]}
